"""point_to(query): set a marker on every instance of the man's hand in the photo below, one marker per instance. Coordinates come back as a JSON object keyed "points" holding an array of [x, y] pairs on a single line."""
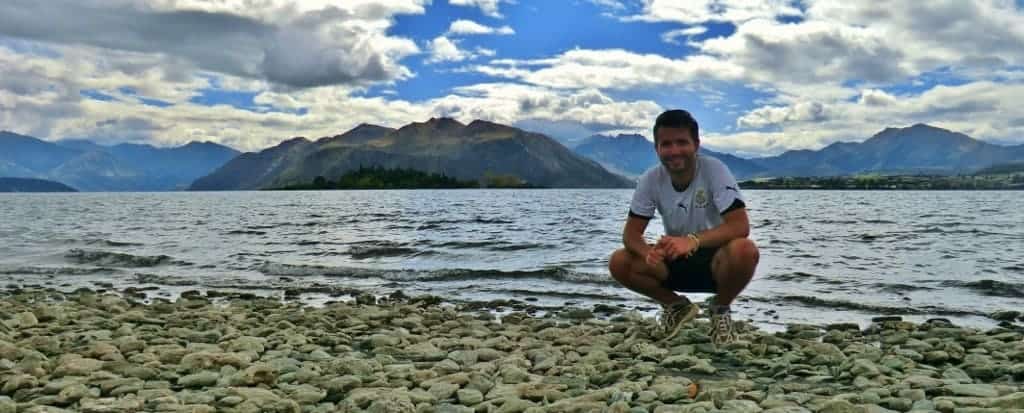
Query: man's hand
{"points": [[655, 256], [675, 247]]}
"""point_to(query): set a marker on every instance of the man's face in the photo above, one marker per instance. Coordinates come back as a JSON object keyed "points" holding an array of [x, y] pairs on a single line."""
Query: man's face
{"points": [[676, 149]]}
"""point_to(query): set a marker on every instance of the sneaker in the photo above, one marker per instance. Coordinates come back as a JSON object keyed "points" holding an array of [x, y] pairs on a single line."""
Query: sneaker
{"points": [[673, 317], [721, 328]]}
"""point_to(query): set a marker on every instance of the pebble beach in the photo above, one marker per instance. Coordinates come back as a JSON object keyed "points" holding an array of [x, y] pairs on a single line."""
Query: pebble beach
{"points": [[105, 351]]}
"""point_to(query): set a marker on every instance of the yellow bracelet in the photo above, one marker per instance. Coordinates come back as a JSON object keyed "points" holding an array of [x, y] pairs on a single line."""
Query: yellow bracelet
{"points": [[695, 238]]}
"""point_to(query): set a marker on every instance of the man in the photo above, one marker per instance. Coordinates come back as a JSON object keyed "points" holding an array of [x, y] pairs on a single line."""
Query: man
{"points": [[705, 247]]}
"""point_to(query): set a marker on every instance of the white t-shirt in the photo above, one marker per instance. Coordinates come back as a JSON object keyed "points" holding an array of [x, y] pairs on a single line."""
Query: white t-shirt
{"points": [[699, 207]]}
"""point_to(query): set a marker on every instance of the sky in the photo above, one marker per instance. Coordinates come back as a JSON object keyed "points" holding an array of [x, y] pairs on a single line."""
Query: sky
{"points": [[760, 76]]}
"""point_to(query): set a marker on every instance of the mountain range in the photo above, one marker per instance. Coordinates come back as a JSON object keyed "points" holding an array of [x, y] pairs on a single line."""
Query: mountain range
{"points": [[87, 166], [918, 149], [471, 151], [440, 145]]}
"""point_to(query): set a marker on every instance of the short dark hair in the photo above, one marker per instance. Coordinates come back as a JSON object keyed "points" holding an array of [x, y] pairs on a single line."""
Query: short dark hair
{"points": [[677, 118]]}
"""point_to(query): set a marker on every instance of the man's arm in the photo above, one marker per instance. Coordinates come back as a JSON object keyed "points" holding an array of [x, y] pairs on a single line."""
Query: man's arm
{"points": [[633, 235], [735, 224]]}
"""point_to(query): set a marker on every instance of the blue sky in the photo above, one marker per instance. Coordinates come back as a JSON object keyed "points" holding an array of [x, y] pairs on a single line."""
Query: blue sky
{"points": [[761, 76]]}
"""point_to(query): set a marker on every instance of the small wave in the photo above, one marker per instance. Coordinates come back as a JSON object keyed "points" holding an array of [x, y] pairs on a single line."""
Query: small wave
{"points": [[836, 221], [899, 288], [515, 247], [259, 227], [110, 243], [380, 249], [871, 237], [464, 244], [57, 270], [164, 280], [246, 232], [800, 276], [116, 259], [972, 231], [989, 287], [1015, 268], [475, 220], [867, 308], [399, 275], [561, 294]]}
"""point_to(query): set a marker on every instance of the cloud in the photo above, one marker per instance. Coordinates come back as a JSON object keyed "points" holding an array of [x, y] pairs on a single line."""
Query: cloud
{"points": [[612, 69], [443, 49], [801, 112], [810, 52], [488, 7], [296, 45], [702, 11], [672, 35], [509, 102], [875, 97], [609, 4], [468, 27]]}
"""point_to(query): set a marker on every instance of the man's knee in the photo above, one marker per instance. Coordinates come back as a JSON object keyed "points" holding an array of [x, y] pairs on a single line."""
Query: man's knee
{"points": [[618, 263], [744, 251]]}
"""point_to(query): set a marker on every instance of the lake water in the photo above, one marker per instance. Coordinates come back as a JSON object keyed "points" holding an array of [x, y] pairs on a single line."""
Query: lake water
{"points": [[826, 256]]}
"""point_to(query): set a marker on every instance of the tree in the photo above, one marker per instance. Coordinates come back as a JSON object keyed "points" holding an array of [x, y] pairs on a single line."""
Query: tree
{"points": [[320, 182]]}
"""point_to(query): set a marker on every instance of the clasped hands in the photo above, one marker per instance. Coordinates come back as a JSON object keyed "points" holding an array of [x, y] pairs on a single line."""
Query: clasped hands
{"points": [[670, 248]]}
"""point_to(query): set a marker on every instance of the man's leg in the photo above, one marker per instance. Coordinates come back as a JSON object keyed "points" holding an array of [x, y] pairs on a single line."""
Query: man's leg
{"points": [[633, 272], [733, 268]]}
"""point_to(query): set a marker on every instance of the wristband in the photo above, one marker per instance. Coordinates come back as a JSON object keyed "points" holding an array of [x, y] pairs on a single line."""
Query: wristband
{"points": [[696, 241]]}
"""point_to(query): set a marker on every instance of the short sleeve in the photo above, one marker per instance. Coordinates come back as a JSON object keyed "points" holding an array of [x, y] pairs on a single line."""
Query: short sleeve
{"points": [[725, 192], [643, 205]]}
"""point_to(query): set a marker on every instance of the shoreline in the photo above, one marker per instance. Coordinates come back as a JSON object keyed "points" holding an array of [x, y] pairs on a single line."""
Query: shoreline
{"points": [[106, 351]]}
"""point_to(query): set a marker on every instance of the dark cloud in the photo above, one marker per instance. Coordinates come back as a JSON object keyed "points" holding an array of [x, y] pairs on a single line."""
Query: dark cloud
{"points": [[125, 129], [303, 53], [824, 56], [300, 58]]}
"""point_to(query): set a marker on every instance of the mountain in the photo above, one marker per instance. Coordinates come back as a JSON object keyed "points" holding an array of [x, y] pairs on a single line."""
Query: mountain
{"points": [[25, 156], [440, 145], [916, 149], [631, 155], [32, 185], [88, 166], [1003, 168]]}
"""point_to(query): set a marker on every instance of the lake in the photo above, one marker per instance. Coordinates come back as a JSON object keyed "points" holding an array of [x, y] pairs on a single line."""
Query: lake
{"points": [[826, 256]]}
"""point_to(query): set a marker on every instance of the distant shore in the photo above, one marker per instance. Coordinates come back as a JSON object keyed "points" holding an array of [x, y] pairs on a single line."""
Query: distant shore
{"points": [[90, 351], [895, 182]]}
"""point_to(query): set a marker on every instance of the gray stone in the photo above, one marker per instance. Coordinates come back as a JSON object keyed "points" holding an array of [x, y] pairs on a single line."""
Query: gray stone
{"points": [[1009, 401], [839, 406], [741, 406], [7, 405], [443, 391], [77, 366], [470, 397], [111, 405], [973, 390], [26, 320], [74, 393], [863, 367], [201, 379], [453, 408], [670, 392]]}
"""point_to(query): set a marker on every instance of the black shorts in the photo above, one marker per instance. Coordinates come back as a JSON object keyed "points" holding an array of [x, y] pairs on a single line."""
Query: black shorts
{"points": [[692, 275]]}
